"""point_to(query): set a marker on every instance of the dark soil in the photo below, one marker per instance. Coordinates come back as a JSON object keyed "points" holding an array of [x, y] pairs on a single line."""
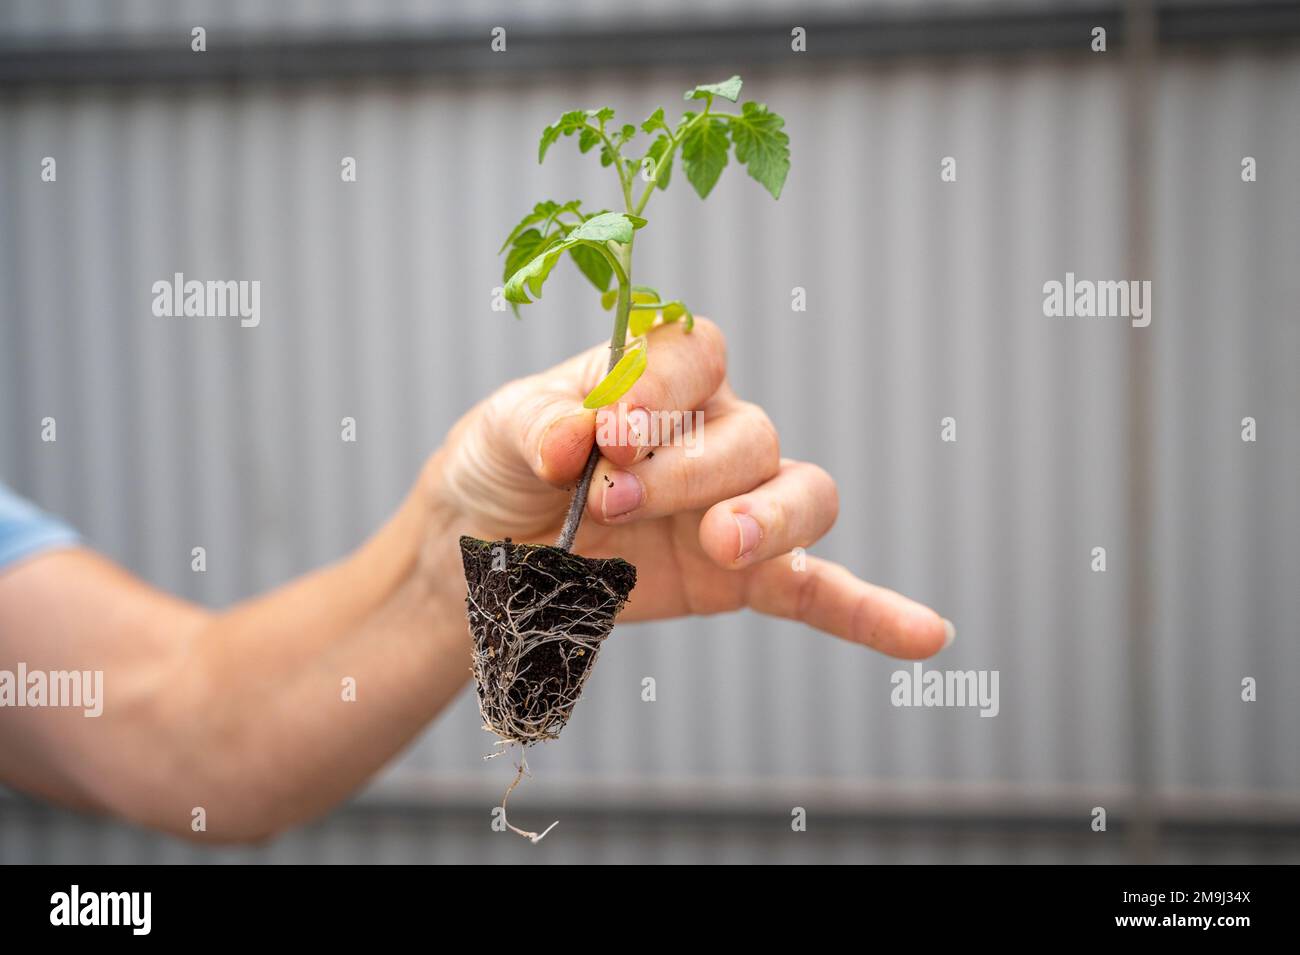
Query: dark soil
{"points": [[538, 616]]}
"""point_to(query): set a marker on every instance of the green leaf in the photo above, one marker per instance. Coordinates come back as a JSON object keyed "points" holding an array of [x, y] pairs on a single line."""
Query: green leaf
{"points": [[656, 150], [654, 121], [727, 89], [762, 146], [530, 276], [619, 381], [675, 310], [704, 154], [542, 212], [640, 293], [568, 124], [527, 245], [587, 138], [593, 265], [608, 227], [639, 322]]}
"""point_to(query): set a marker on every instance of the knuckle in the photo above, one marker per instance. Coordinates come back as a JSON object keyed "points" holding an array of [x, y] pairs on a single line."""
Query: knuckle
{"points": [[828, 493], [806, 596], [765, 439], [684, 478], [779, 528], [651, 392]]}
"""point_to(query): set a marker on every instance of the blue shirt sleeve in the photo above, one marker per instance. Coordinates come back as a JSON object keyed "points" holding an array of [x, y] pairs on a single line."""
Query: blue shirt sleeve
{"points": [[26, 530]]}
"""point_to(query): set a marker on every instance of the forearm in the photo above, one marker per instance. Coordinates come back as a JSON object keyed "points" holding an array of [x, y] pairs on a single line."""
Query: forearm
{"points": [[307, 691], [268, 713]]}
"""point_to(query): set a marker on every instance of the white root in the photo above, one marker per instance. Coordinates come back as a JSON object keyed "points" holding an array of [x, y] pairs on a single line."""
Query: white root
{"points": [[529, 669], [521, 772]]}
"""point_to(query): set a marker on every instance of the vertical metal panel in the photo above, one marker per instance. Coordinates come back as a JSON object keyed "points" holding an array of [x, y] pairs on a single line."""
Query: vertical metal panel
{"points": [[924, 301]]}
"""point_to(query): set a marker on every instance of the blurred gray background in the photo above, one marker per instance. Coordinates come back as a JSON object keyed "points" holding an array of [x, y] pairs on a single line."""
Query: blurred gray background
{"points": [[1119, 689]]}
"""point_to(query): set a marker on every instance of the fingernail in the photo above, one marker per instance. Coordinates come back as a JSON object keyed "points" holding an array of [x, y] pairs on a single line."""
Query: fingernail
{"points": [[622, 493], [949, 633], [541, 444], [750, 533]]}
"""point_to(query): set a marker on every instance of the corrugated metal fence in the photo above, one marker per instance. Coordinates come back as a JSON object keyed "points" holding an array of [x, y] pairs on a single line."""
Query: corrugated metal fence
{"points": [[924, 301]]}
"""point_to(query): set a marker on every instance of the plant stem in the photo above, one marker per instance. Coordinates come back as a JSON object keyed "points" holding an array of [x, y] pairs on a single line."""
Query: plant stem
{"points": [[675, 140], [617, 342]]}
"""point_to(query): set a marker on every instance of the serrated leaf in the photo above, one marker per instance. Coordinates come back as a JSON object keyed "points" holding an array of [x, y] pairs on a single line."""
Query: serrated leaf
{"points": [[526, 246], [529, 278], [654, 121], [727, 89], [608, 227], [655, 152], [523, 248], [587, 138], [619, 381], [704, 154], [565, 125], [761, 146], [542, 212], [570, 123], [593, 265]]}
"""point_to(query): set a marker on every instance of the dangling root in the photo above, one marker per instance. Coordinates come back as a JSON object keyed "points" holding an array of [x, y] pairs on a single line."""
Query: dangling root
{"points": [[522, 771]]}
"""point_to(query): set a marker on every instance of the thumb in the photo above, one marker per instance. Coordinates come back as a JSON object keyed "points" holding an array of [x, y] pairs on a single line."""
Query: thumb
{"points": [[554, 432]]}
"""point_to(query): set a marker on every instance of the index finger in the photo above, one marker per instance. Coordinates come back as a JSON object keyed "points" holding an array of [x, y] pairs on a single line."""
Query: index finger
{"points": [[684, 370], [829, 597]]}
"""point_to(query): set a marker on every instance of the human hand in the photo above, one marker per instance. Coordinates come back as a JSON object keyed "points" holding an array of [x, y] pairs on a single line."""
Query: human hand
{"points": [[708, 532]]}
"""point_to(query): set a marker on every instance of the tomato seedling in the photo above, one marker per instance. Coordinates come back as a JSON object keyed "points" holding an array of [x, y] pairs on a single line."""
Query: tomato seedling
{"points": [[600, 243], [539, 614]]}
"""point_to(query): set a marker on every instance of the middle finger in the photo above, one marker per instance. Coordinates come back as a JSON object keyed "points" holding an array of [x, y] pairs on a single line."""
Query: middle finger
{"points": [[684, 370]]}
